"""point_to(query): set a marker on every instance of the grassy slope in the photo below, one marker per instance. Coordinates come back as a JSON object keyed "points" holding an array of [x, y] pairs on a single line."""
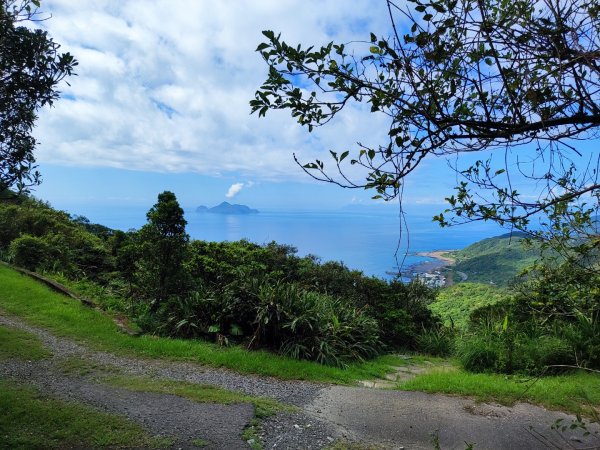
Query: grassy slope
{"points": [[63, 316], [455, 304], [498, 259]]}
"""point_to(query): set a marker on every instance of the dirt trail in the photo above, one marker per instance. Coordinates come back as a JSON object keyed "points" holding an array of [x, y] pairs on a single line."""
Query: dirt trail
{"points": [[390, 419]]}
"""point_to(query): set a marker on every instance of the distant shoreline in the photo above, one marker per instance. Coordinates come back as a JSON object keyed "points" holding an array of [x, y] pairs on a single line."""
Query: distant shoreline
{"points": [[439, 254], [441, 260]]}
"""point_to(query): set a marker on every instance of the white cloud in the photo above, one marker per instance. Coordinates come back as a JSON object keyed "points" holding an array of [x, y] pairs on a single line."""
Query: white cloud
{"points": [[164, 85], [234, 190]]}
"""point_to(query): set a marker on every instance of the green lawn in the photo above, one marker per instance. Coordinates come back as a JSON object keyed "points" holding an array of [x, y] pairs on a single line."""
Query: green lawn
{"points": [[63, 316]]}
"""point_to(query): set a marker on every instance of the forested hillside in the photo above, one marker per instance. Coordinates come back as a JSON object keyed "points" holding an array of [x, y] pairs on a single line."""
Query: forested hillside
{"points": [[496, 260]]}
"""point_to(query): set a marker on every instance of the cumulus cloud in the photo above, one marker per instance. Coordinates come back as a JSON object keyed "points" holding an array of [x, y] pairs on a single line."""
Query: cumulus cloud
{"points": [[164, 85], [234, 190]]}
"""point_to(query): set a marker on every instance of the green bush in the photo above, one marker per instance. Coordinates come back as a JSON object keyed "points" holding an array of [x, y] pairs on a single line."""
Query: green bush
{"points": [[436, 341], [280, 316], [309, 325], [455, 304], [480, 353], [583, 336], [505, 351], [399, 309], [29, 252]]}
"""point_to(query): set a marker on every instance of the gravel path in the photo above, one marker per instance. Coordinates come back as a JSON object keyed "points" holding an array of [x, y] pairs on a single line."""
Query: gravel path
{"points": [[220, 425], [389, 419]]}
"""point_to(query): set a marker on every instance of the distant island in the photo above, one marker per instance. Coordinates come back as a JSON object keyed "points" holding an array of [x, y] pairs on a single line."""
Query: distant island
{"points": [[227, 208]]}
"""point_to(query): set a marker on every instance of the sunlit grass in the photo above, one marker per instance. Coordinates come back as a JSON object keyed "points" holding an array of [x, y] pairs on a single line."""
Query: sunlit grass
{"points": [[64, 316], [571, 392]]}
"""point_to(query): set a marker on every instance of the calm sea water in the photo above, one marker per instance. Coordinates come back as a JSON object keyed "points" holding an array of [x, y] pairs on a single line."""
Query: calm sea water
{"points": [[367, 242]]}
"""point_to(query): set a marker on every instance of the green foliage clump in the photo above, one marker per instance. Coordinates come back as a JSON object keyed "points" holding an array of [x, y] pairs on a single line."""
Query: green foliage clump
{"points": [[29, 252], [455, 304], [505, 351], [37, 237], [552, 320], [281, 316], [437, 341]]}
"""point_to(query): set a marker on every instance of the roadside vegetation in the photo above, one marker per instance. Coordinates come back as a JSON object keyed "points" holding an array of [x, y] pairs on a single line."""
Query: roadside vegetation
{"points": [[574, 392], [63, 316]]}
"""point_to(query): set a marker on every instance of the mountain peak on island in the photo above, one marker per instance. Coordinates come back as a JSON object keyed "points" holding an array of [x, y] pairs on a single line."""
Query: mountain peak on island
{"points": [[227, 208]]}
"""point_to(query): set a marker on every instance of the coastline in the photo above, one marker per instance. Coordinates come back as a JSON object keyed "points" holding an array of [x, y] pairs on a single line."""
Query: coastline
{"points": [[439, 254], [439, 262]]}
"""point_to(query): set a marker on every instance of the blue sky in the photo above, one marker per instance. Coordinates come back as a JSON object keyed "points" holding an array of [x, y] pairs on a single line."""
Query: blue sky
{"points": [[160, 101]]}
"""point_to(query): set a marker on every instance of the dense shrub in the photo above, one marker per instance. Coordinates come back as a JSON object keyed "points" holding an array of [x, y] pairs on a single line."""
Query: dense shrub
{"points": [[400, 309], [509, 352], [553, 319], [455, 304], [436, 341], [280, 316], [314, 326], [29, 252], [61, 244], [480, 353]]}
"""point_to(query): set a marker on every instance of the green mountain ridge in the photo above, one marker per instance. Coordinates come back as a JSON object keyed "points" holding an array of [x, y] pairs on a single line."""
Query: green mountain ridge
{"points": [[496, 260]]}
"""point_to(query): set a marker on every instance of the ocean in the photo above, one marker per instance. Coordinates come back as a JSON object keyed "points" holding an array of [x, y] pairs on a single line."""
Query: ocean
{"points": [[368, 242]]}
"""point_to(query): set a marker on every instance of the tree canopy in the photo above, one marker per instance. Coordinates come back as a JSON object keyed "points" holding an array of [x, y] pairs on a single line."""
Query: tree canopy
{"points": [[517, 80], [31, 67], [163, 243]]}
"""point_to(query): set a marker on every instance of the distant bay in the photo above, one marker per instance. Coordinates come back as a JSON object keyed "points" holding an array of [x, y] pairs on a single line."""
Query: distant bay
{"points": [[363, 241]]}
